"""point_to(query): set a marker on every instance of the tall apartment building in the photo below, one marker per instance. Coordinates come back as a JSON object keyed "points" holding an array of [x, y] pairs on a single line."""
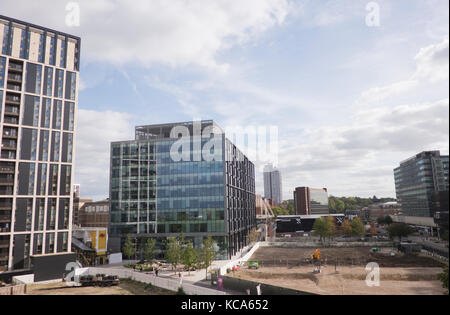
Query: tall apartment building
{"points": [[417, 179], [156, 196], [38, 101], [272, 185], [311, 201]]}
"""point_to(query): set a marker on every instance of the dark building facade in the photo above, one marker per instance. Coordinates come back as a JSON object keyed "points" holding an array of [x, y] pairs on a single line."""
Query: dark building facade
{"points": [[418, 179], [154, 194], [311, 201], [39, 70]]}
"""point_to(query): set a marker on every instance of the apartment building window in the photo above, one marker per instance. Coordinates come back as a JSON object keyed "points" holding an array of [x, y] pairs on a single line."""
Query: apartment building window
{"points": [[46, 109], [38, 240], [50, 243], [23, 40], [71, 85], [31, 179], [51, 59], [59, 83], [33, 78], [62, 62], [6, 35], [41, 48], [42, 180], [56, 145], [51, 214], [45, 134], [2, 72], [57, 114], [40, 214], [48, 87], [53, 180]]}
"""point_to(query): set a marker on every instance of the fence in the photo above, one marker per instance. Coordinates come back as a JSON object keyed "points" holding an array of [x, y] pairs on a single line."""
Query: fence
{"points": [[20, 289], [164, 283]]}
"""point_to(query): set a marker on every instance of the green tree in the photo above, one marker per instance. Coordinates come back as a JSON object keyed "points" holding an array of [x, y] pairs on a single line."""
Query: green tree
{"points": [[357, 227], [173, 252], [381, 220], [207, 253], [189, 257], [149, 250], [321, 228], [346, 228], [388, 220], [253, 236], [399, 230], [331, 226], [128, 249]]}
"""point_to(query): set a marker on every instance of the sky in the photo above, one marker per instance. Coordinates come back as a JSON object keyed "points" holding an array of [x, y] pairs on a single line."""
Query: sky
{"points": [[352, 87]]}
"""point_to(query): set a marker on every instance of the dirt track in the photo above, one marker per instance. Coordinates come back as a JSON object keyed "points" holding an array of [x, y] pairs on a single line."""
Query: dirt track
{"points": [[358, 256]]}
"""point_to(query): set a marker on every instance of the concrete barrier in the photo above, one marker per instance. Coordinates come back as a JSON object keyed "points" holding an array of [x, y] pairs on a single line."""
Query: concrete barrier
{"points": [[240, 285], [164, 283], [19, 289]]}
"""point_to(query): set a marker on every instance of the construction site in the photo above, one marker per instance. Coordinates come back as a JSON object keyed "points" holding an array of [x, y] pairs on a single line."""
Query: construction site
{"points": [[342, 271]]}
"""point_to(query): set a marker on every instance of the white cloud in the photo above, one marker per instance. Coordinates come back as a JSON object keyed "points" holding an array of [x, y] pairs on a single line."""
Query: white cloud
{"points": [[433, 62], [174, 33], [95, 132], [346, 158]]}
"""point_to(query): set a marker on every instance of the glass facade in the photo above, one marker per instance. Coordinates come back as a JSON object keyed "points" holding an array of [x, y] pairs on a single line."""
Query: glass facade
{"points": [[417, 179], [153, 194]]}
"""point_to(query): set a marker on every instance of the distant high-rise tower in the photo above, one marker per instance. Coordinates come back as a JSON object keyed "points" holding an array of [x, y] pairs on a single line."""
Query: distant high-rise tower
{"points": [[418, 179], [38, 101], [272, 184]]}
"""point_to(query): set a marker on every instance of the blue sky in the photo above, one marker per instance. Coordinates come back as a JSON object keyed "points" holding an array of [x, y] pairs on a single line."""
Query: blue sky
{"points": [[350, 101]]}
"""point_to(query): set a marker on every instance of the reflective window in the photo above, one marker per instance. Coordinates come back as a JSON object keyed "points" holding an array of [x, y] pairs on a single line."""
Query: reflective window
{"points": [[2, 72]]}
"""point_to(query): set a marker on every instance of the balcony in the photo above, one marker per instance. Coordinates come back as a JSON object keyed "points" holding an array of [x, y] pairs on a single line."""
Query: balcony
{"points": [[4, 244], [5, 219], [9, 133], [8, 155], [12, 100], [7, 169], [15, 67], [11, 120], [6, 206]]}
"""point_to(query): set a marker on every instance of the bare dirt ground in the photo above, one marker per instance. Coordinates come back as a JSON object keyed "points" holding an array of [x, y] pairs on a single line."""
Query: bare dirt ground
{"points": [[357, 256], [399, 275], [126, 287], [349, 281]]}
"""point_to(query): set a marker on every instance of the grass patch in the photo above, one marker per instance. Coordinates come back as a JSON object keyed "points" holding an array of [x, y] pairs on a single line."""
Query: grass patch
{"points": [[139, 288]]}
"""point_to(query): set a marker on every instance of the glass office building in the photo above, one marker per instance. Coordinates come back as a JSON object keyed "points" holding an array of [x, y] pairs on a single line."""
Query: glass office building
{"points": [[418, 179], [154, 195], [311, 201]]}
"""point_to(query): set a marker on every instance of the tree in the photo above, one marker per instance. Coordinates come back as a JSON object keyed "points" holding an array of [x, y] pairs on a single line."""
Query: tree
{"points": [[149, 250], [128, 249], [381, 220], [189, 257], [173, 252], [331, 226], [207, 253], [253, 236], [321, 228], [346, 228], [357, 227], [388, 220], [399, 230]]}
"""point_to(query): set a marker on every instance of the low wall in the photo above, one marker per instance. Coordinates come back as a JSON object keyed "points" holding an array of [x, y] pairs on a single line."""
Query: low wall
{"points": [[19, 289], [237, 261], [164, 283], [240, 285]]}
